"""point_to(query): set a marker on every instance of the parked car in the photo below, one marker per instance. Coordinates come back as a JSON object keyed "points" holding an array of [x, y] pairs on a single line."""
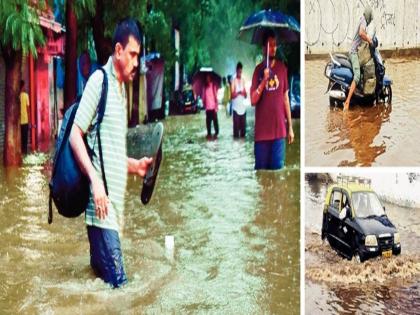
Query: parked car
{"points": [[188, 103], [355, 222], [183, 102]]}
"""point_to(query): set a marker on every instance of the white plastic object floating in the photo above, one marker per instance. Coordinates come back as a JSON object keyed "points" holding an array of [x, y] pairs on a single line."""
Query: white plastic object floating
{"points": [[170, 246]]}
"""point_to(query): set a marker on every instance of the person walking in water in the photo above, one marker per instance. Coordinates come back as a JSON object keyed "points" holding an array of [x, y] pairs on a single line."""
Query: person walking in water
{"points": [[360, 36], [226, 95], [269, 95], [239, 94], [24, 121], [211, 106], [104, 213]]}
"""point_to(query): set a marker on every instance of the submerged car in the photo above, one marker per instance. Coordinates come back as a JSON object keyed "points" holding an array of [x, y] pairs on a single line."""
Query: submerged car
{"points": [[355, 223], [187, 102]]}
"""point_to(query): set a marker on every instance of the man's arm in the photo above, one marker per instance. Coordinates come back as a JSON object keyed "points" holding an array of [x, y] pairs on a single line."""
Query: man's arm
{"points": [[363, 35], [291, 135], [232, 89], [256, 94], [79, 150], [244, 90]]}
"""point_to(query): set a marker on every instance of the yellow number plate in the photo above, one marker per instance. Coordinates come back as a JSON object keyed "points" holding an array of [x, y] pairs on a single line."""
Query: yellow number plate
{"points": [[387, 253]]}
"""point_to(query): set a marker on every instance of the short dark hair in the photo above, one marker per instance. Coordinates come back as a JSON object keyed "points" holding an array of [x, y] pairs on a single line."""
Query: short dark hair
{"points": [[239, 65], [268, 34], [22, 84], [124, 29]]}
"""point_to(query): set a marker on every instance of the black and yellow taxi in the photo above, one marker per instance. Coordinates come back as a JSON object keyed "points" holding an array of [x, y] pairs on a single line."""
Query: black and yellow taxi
{"points": [[355, 222]]}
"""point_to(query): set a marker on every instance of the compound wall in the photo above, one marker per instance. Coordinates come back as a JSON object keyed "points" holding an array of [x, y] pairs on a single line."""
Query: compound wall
{"points": [[331, 24]]}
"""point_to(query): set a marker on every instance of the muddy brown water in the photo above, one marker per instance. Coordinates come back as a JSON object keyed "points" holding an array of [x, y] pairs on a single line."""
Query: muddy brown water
{"points": [[334, 285], [368, 135], [236, 236]]}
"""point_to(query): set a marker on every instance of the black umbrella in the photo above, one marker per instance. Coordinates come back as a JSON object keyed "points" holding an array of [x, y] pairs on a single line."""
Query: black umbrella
{"points": [[285, 27], [200, 77]]}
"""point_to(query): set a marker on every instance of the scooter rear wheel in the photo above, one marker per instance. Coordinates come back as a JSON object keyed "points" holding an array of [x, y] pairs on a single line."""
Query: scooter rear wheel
{"points": [[386, 95], [335, 102]]}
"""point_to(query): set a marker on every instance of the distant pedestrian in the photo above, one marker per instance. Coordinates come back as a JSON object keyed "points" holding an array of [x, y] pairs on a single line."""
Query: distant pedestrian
{"points": [[269, 95], [229, 109], [211, 106], [85, 69], [24, 121], [239, 94], [226, 95]]}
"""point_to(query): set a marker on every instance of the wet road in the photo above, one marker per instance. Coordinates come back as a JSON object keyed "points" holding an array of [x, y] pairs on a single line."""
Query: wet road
{"points": [[367, 136], [334, 285], [236, 236]]}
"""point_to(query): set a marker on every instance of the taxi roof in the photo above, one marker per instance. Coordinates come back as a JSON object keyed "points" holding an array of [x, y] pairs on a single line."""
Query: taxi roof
{"points": [[352, 187]]}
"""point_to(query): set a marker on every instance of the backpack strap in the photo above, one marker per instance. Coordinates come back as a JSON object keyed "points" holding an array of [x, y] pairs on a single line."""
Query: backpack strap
{"points": [[50, 212], [101, 113]]}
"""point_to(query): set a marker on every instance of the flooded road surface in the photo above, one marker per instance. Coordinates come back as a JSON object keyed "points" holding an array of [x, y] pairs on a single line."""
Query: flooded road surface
{"points": [[236, 236], [380, 135], [334, 285]]}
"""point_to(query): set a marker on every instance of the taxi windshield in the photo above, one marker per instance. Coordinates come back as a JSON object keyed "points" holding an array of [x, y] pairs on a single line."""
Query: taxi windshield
{"points": [[366, 204]]}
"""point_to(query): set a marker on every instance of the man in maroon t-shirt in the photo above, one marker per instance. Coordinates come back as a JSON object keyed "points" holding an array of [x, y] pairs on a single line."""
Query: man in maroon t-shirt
{"points": [[269, 95]]}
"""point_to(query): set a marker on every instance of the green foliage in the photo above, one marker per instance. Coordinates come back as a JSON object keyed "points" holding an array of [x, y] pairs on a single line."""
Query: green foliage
{"points": [[83, 7], [208, 30], [19, 26]]}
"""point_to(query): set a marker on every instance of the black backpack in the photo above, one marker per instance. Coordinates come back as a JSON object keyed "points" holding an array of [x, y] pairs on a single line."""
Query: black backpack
{"points": [[69, 187]]}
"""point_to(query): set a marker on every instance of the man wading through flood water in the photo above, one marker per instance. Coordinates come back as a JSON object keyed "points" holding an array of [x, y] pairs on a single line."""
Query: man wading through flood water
{"points": [[104, 214], [269, 95], [360, 36]]}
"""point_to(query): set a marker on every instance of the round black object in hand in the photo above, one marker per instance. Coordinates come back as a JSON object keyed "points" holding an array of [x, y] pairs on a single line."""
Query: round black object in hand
{"points": [[150, 179]]}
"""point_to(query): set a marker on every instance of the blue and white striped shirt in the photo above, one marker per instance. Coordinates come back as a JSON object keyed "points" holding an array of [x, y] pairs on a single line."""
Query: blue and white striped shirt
{"points": [[113, 141]]}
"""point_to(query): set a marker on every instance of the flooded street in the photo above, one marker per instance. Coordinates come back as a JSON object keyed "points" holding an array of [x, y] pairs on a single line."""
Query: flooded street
{"points": [[236, 235], [335, 285], [379, 135]]}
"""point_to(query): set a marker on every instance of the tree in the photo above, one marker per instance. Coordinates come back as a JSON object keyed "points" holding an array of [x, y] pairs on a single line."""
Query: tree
{"points": [[74, 10], [70, 82], [20, 34], [208, 30]]}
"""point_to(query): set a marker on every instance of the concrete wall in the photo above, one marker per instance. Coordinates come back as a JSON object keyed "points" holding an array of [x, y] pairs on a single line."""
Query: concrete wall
{"points": [[330, 25]]}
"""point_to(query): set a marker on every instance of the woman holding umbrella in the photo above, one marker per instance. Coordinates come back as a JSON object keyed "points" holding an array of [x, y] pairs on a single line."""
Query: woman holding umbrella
{"points": [[206, 82], [211, 106], [269, 95]]}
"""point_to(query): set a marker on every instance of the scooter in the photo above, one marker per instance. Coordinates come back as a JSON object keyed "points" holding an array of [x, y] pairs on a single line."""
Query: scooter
{"points": [[340, 75]]}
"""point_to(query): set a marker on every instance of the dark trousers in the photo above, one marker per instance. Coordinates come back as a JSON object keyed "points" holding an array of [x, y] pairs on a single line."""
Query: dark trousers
{"points": [[105, 255], [239, 125], [24, 138], [270, 154], [211, 116]]}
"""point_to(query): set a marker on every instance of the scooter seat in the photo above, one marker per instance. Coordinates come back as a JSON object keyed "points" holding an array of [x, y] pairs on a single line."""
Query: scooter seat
{"points": [[343, 60]]}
